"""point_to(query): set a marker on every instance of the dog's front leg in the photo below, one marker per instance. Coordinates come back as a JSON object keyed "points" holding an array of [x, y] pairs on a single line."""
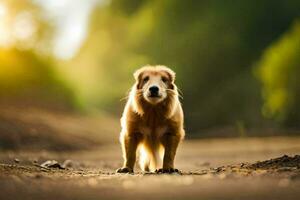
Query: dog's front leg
{"points": [[129, 147], [170, 143]]}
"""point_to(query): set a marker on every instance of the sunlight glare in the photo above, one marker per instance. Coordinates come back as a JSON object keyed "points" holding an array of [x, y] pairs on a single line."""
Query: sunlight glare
{"points": [[2, 10], [5, 39], [24, 26]]}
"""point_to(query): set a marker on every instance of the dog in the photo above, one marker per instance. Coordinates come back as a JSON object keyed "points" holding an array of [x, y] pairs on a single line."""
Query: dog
{"points": [[152, 122]]}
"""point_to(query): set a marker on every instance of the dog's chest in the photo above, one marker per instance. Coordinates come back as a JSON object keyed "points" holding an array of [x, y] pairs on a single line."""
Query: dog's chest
{"points": [[153, 131]]}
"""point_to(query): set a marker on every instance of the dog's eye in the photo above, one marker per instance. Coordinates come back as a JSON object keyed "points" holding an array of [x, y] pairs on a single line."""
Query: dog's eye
{"points": [[146, 79], [164, 79]]}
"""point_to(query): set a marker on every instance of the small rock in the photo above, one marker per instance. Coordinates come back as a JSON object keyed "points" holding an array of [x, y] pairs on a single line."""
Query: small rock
{"points": [[70, 164], [52, 164], [38, 176], [16, 160], [35, 161]]}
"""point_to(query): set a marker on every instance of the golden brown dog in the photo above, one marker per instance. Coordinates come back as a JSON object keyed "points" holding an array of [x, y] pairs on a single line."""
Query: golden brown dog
{"points": [[152, 121]]}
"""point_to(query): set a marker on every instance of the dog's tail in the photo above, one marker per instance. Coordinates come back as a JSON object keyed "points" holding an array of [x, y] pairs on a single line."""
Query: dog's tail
{"points": [[150, 156]]}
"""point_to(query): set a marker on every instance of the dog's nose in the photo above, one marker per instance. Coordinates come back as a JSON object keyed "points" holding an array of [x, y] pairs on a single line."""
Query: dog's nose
{"points": [[154, 90]]}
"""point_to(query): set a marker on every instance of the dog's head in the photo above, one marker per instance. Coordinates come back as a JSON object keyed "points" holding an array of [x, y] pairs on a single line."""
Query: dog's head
{"points": [[154, 84]]}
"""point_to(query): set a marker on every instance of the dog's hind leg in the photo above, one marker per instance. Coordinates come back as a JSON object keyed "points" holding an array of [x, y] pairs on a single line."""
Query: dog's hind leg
{"points": [[144, 159]]}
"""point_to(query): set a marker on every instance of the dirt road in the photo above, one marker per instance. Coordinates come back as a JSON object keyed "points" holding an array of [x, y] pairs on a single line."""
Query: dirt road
{"points": [[212, 169]]}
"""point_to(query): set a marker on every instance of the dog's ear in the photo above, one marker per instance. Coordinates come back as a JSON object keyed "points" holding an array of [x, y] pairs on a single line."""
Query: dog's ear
{"points": [[171, 74], [138, 76]]}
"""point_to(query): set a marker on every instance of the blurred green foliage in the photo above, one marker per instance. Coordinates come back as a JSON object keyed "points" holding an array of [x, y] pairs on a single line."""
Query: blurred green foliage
{"points": [[26, 78], [28, 72], [279, 72], [212, 46]]}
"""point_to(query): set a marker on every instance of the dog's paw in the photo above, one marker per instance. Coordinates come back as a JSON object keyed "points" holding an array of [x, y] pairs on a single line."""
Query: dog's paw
{"points": [[124, 170], [167, 171]]}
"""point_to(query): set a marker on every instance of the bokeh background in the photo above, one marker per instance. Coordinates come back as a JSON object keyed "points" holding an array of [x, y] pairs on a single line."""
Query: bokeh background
{"points": [[66, 65]]}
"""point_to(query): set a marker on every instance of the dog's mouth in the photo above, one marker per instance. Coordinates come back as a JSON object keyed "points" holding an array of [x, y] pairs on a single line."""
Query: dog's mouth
{"points": [[154, 96]]}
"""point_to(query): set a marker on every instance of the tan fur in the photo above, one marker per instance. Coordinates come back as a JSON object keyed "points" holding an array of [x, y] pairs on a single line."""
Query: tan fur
{"points": [[151, 126]]}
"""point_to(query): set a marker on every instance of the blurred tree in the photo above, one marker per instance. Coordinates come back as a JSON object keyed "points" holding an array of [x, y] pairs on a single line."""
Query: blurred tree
{"points": [[27, 68], [23, 26], [279, 70], [127, 7], [27, 78], [210, 44]]}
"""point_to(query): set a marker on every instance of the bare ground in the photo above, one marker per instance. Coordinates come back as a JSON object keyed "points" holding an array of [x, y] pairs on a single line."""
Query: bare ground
{"points": [[88, 151], [211, 169]]}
